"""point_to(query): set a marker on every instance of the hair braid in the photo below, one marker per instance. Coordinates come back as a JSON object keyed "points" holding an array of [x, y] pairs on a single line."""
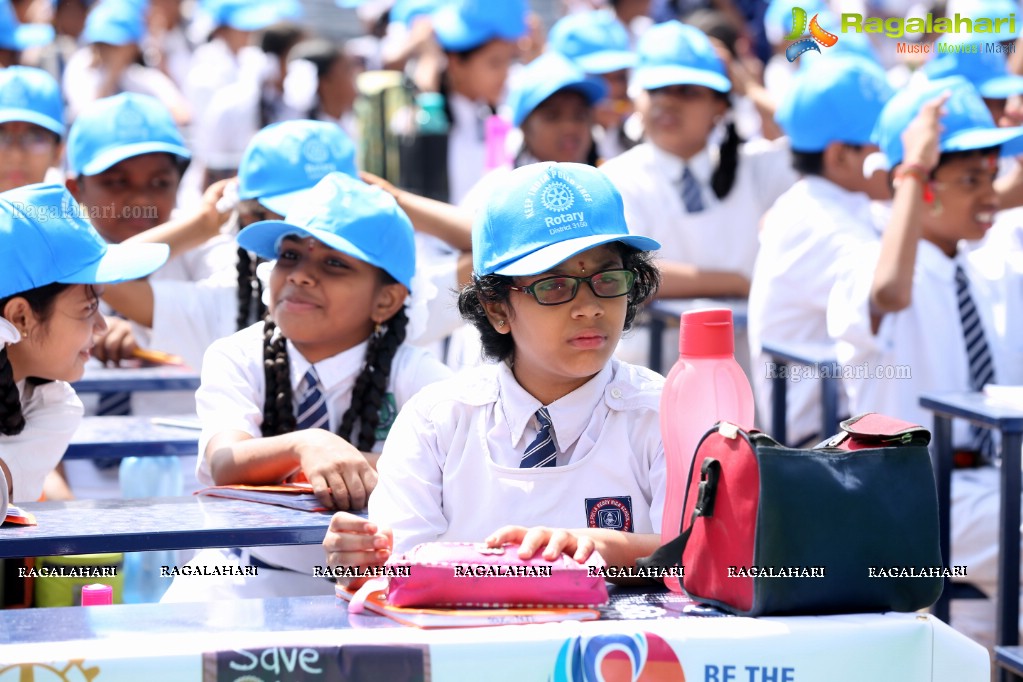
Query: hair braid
{"points": [[723, 178], [12, 421], [250, 290], [278, 413], [371, 385]]}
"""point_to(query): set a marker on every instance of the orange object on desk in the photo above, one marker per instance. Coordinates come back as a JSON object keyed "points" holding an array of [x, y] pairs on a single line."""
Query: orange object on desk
{"points": [[158, 357]]}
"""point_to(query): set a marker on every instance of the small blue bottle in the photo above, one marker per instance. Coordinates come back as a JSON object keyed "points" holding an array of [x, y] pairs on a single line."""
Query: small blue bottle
{"points": [[148, 477]]}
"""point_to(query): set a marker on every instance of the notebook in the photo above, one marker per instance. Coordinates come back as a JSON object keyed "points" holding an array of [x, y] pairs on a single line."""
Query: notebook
{"points": [[292, 495]]}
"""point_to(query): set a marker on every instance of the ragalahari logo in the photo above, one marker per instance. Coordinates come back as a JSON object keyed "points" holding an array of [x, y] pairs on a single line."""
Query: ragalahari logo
{"points": [[817, 35]]}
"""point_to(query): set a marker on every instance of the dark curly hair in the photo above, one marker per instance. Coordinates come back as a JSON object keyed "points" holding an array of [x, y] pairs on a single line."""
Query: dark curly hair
{"points": [[41, 300], [494, 289], [250, 290], [359, 423]]}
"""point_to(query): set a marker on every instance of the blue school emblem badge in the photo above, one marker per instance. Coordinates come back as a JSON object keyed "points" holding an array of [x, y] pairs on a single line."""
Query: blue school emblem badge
{"points": [[614, 513]]}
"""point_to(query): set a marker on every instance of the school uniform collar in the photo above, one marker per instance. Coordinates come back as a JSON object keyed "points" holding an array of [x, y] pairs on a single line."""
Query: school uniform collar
{"points": [[857, 204], [934, 261], [468, 113], [332, 371], [569, 414], [700, 165]]}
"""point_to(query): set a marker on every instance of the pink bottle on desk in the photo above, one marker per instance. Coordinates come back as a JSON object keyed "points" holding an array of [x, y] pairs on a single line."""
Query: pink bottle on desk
{"points": [[705, 386]]}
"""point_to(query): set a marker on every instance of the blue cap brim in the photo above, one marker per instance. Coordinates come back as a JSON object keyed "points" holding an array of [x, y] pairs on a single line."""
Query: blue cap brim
{"points": [[1001, 87], [593, 90], [546, 258], [121, 263], [263, 239], [118, 154], [28, 35], [456, 35], [654, 77], [34, 117], [607, 62], [254, 18], [1010, 140]]}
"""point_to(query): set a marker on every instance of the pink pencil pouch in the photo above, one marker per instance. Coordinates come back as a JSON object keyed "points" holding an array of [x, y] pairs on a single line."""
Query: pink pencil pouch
{"points": [[466, 574]]}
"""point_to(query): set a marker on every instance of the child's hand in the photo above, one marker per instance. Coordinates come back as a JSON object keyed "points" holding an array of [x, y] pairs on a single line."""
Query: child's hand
{"points": [[214, 208], [352, 541], [555, 541], [340, 475], [117, 343], [921, 138]]}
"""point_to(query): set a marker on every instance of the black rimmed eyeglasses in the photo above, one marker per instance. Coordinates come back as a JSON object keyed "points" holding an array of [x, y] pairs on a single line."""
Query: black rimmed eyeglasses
{"points": [[563, 288]]}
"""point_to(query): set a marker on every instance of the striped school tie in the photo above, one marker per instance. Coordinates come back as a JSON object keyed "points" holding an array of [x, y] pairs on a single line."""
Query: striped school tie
{"points": [[542, 451], [312, 410], [982, 369], [691, 196]]}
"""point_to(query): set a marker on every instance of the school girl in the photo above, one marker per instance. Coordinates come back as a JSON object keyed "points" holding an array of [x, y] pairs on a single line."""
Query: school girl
{"points": [[313, 391], [54, 264], [556, 432]]}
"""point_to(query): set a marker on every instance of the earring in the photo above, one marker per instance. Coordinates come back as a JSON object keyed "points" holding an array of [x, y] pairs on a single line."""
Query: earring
{"points": [[24, 333], [500, 323], [378, 330]]}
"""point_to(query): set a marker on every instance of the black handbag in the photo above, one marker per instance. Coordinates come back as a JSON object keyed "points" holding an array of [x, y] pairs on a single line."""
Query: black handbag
{"points": [[848, 526]]}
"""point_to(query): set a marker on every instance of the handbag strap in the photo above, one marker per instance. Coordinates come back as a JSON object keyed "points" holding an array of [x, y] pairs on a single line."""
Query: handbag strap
{"points": [[670, 554]]}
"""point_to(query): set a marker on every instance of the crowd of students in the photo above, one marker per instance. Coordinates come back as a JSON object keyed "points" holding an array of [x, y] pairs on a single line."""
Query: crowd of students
{"points": [[460, 365]]}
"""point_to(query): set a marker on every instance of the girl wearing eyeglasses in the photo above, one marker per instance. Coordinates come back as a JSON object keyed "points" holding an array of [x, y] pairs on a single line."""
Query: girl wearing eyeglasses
{"points": [[556, 446], [31, 126]]}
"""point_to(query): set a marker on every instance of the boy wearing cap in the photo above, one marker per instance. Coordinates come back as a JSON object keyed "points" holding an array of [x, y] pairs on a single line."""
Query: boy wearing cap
{"points": [[556, 434], [918, 307], [31, 126], [828, 114]]}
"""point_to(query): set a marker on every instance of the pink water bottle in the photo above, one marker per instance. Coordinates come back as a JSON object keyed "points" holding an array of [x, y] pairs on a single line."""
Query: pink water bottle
{"points": [[496, 136], [705, 386], [97, 595]]}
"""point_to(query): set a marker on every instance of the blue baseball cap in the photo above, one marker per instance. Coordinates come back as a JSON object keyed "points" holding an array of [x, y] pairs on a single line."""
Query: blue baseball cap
{"points": [[349, 216], [596, 41], [838, 100], [547, 74], [673, 53], [545, 213], [966, 124], [46, 239], [285, 160], [251, 15], [115, 22], [987, 71], [464, 24], [116, 128], [31, 95], [17, 36]]}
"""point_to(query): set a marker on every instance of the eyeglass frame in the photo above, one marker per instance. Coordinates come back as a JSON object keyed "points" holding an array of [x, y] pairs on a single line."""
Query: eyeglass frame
{"points": [[531, 288], [39, 141]]}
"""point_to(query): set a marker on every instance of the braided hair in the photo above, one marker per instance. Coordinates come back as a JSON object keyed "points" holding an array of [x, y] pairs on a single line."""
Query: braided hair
{"points": [[250, 290], [41, 300], [359, 423], [723, 178]]}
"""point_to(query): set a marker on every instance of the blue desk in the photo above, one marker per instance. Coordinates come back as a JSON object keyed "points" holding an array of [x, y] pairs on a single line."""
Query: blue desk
{"points": [[821, 360], [151, 524], [114, 379], [663, 311], [314, 638], [108, 437], [982, 411]]}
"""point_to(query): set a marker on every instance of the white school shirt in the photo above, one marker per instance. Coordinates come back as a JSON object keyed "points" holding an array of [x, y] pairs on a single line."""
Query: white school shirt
{"points": [[467, 145], [52, 413], [925, 340], [802, 242], [82, 80], [724, 235], [231, 396], [449, 469]]}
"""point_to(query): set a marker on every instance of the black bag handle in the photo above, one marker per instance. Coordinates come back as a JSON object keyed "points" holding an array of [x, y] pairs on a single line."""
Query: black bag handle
{"points": [[670, 554]]}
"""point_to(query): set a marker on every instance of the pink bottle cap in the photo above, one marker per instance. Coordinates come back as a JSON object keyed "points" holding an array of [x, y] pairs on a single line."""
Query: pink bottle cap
{"points": [[97, 595], [707, 333]]}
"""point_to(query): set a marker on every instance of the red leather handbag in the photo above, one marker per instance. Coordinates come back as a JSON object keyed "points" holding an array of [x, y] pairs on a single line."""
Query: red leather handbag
{"points": [[850, 525]]}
